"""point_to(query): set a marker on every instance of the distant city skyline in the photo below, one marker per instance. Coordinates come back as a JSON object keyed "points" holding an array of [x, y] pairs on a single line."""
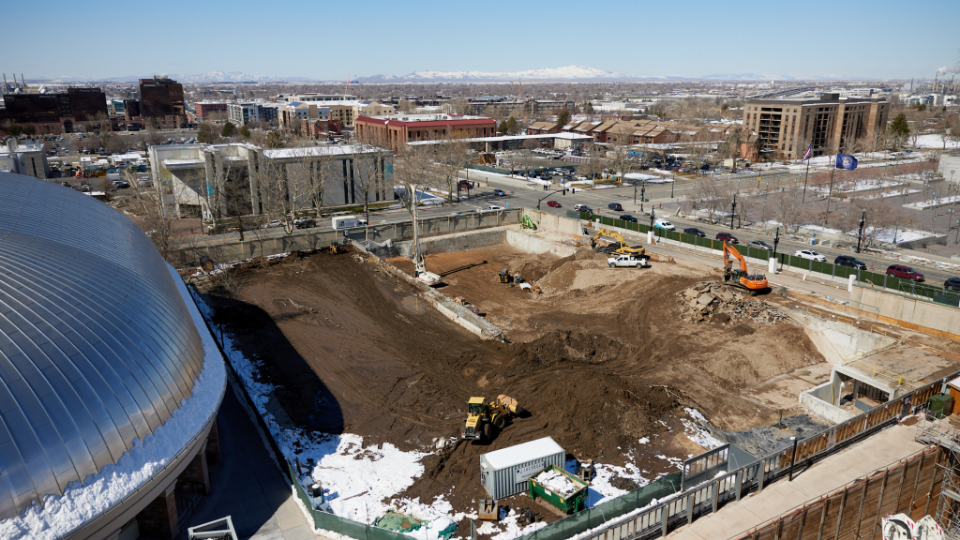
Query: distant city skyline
{"points": [[694, 39]]}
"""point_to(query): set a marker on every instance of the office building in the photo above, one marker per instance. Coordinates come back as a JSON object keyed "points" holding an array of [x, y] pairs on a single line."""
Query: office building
{"points": [[56, 113], [783, 128], [24, 157], [211, 110], [396, 129], [161, 102]]}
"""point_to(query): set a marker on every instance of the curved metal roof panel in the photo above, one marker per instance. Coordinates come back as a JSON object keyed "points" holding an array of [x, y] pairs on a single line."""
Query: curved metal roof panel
{"points": [[97, 348]]}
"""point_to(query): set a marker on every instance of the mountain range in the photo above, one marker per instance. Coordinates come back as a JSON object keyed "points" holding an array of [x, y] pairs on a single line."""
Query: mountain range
{"points": [[561, 74]]}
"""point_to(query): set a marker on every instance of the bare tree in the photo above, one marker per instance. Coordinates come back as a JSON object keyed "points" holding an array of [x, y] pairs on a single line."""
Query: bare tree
{"points": [[452, 155], [371, 166], [413, 174]]}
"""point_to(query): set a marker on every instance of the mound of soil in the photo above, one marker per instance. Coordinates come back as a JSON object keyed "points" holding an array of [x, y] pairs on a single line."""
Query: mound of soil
{"points": [[712, 301]]}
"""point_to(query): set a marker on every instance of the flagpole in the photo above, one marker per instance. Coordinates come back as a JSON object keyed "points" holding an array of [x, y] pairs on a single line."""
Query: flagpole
{"points": [[830, 194]]}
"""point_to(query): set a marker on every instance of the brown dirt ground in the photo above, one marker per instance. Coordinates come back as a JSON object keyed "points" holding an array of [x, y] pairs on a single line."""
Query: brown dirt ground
{"points": [[599, 359]]}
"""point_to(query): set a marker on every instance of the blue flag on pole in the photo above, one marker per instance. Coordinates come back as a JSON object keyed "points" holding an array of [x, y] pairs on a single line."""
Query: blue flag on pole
{"points": [[847, 162]]}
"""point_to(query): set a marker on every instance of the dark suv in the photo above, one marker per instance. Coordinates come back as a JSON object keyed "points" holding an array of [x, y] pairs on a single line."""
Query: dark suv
{"points": [[727, 237], [849, 262], [615, 206], [952, 284], [904, 272]]}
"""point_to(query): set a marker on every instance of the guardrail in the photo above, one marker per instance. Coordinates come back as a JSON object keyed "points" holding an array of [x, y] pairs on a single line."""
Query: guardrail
{"points": [[687, 505]]}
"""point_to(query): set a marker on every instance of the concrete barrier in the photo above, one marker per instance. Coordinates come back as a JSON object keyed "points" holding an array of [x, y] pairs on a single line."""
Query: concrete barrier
{"points": [[923, 315], [531, 243], [814, 401], [456, 242]]}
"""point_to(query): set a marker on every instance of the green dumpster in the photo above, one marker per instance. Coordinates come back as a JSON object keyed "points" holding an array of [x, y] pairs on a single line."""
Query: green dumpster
{"points": [[559, 488], [941, 405]]}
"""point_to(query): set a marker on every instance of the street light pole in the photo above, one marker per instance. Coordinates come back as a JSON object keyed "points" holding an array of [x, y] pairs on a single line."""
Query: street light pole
{"points": [[733, 210], [643, 189], [860, 234]]}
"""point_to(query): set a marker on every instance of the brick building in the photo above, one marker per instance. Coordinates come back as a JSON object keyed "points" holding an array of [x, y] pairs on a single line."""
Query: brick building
{"points": [[830, 123], [211, 110], [402, 128]]}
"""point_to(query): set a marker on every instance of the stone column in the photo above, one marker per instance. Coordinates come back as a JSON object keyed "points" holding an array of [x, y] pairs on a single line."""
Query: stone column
{"points": [[197, 473], [159, 519]]}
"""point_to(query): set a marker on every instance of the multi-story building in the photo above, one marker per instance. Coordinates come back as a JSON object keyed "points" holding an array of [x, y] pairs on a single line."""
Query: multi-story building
{"points": [[397, 129], [24, 157], [131, 108], [253, 111], [115, 107], [290, 98], [56, 113], [784, 128], [209, 181], [372, 108], [161, 102], [211, 110]]}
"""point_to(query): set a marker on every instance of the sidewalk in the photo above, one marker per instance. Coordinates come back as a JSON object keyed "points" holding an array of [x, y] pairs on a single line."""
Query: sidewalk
{"points": [[247, 485], [876, 452]]}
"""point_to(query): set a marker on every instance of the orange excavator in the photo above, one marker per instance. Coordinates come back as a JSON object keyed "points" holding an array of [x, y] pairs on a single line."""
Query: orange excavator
{"points": [[755, 283]]}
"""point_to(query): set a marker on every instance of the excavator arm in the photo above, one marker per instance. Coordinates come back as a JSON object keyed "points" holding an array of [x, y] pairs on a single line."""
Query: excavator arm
{"points": [[729, 250], [741, 278]]}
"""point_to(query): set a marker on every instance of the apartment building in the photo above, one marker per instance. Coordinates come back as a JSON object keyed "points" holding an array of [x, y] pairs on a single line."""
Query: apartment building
{"points": [[398, 129], [784, 128], [290, 98], [211, 110], [252, 111]]}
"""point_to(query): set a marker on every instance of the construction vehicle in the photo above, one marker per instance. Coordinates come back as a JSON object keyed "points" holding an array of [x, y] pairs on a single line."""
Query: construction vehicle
{"points": [[621, 247], [484, 416], [527, 223], [504, 276], [753, 283]]}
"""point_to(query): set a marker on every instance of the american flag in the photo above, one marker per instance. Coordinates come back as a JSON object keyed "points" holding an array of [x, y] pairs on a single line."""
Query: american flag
{"points": [[809, 152]]}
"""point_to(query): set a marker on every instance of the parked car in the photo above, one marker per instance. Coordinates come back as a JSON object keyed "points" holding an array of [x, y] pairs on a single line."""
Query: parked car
{"points": [[694, 232], [663, 224], [583, 208], [554, 204], [499, 193], [628, 217], [305, 222], [615, 206], [67, 184], [493, 208], [904, 272], [810, 255], [952, 284], [273, 224], [760, 244], [849, 262], [727, 237]]}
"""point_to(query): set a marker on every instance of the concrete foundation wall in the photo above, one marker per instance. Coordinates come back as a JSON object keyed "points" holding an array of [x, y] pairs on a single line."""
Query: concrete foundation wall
{"points": [[837, 340], [815, 402], [553, 223], [534, 244], [902, 310], [456, 242]]}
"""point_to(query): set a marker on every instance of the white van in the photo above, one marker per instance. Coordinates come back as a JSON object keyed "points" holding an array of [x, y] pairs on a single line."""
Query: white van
{"points": [[346, 222]]}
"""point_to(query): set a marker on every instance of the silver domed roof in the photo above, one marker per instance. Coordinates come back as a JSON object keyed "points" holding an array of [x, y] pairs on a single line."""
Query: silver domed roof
{"points": [[97, 348]]}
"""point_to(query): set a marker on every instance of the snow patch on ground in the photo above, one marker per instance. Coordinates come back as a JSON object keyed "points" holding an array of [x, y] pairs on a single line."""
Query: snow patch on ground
{"points": [[698, 434], [81, 503]]}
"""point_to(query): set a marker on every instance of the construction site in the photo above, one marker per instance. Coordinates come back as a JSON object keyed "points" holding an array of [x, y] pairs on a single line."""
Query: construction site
{"points": [[633, 359]]}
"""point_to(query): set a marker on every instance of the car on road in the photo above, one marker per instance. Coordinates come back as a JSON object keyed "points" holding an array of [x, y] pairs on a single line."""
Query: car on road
{"points": [[493, 208], [121, 184], [305, 222], [849, 262], [693, 231], [760, 244], [810, 255], [554, 204], [663, 224], [727, 237], [615, 206], [952, 284], [499, 193], [272, 224], [904, 272], [583, 208], [64, 183], [628, 217]]}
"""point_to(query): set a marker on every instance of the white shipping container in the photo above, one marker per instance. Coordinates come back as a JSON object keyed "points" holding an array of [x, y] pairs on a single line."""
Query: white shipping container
{"points": [[505, 472]]}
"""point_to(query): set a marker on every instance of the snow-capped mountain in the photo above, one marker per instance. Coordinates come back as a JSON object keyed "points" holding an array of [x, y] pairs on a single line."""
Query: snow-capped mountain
{"points": [[568, 73]]}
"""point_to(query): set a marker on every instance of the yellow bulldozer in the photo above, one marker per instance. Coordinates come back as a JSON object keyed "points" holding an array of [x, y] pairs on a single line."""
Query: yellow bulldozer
{"points": [[483, 416], [622, 248]]}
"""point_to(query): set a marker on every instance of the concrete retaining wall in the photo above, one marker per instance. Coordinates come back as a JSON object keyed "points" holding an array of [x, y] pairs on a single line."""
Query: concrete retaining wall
{"points": [[534, 244], [838, 340], [228, 248], [555, 224], [814, 402], [895, 308], [456, 242]]}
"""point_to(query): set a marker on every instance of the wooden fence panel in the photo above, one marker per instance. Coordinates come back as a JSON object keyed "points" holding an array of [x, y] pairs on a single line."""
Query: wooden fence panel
{"points": [[927, 483], [791, 527], [829, 528], [871, 500], [890, 497], [908, 488], [769, 532], [851, 511], [811, 521]]}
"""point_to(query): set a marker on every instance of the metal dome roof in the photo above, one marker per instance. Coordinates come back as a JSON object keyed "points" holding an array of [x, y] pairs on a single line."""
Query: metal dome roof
{"points": [[97, 348]]}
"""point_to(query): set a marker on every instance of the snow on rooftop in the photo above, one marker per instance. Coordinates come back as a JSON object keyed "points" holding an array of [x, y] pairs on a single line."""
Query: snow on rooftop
{"points": [[521, 453], [81, 503], [311, 151]]}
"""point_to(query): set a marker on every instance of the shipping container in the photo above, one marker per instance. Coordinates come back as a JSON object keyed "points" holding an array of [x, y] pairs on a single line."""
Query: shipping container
{"points": [[505, 472]]}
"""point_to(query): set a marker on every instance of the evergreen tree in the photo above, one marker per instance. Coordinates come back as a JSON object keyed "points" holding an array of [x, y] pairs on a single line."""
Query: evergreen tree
{"points": [[563, 117], [229, 130], [502, 128], [205, 133], [512, 127], [899, 129], [245, 132], [274, 140]]}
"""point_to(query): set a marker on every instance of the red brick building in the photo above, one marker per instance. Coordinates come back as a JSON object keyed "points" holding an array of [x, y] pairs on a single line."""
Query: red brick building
{"points": [[206, 109], [398, 129]]}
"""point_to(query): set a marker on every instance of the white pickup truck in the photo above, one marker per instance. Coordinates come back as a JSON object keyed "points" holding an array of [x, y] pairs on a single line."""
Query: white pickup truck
{"points": [[626, 261]]}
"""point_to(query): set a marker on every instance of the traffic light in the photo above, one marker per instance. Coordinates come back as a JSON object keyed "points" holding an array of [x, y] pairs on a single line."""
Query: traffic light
{"points": [[564, 191]]}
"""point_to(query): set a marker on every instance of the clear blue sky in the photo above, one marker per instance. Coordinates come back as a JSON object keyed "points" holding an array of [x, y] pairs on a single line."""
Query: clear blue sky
{"points": [[330, 40]]}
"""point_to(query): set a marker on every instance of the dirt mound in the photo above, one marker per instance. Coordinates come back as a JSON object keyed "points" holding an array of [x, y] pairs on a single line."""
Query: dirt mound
{"points": [[575, 276], [712, 301]]}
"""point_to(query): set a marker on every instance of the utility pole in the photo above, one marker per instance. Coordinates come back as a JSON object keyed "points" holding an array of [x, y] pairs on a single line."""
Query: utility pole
{"points": [[643, 188], [860, 234], [804, 197]]}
